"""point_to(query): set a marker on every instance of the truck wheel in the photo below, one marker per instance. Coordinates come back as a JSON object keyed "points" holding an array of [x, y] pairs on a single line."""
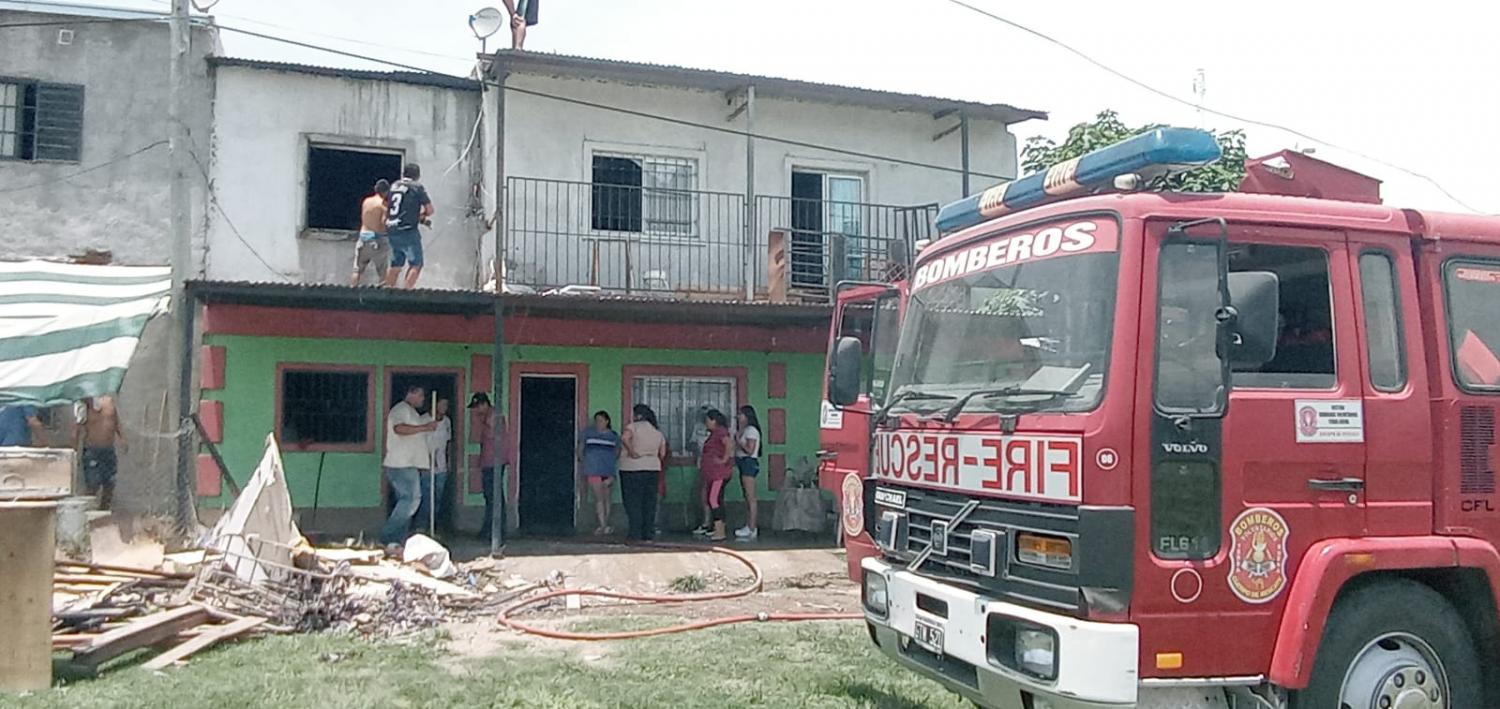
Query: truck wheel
{"points": [[1393, 645]]}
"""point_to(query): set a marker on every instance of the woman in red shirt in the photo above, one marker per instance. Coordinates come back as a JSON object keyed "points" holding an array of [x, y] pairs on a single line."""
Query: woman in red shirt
{"points": [[716, 469]]}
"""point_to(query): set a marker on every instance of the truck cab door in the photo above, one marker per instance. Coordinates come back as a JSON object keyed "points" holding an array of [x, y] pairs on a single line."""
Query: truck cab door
{"points": [[871, 314]]}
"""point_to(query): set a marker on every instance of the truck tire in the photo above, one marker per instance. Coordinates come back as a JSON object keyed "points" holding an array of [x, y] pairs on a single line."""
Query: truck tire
{"points": [[1394, 643]]}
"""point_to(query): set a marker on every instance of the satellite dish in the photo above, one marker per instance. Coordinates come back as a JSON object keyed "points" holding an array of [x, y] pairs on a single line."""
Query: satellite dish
{"points": [[486, 22]]}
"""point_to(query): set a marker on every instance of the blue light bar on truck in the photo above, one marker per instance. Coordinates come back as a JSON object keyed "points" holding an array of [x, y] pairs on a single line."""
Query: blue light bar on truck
{"points": [[1149, 154]]}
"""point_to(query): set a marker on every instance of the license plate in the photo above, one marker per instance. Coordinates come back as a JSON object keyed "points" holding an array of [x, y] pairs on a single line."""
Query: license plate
{"points": [[928, 636], [890, 498]]}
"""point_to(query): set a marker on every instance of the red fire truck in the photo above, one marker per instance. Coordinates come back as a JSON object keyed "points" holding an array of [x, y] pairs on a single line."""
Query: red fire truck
{"points": [[1112, 448]]}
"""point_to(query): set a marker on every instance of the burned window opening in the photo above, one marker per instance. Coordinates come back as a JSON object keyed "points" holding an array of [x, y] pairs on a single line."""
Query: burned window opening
{"points": [[338, 180]]}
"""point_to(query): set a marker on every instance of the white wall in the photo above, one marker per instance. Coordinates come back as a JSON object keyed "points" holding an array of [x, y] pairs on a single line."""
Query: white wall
{"points": [[552, 139], [263, 121]]}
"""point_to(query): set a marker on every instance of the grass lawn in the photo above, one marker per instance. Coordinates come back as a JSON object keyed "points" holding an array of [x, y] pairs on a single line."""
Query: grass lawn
{"points": [[780, 665]]}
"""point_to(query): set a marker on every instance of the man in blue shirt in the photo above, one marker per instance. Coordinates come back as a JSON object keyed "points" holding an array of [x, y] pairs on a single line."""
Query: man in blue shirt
{"points": [[19, 426]]}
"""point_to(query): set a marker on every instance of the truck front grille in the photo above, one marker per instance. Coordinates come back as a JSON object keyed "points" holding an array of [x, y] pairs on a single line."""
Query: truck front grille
{"points": [[1041, 588]]}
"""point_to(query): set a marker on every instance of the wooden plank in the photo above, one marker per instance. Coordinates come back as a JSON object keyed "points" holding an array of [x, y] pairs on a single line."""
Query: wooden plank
{"points": [[130, 570], [139, 633], [205, 640]]}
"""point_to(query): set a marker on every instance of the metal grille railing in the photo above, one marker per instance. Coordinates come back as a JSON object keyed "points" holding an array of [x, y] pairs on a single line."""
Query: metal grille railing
{"points": [[635, 231], [625, 239], [831, 241]]}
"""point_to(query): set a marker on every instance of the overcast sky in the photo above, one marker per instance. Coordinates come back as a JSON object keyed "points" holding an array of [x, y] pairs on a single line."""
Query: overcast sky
{"points": [[1410, 84]]}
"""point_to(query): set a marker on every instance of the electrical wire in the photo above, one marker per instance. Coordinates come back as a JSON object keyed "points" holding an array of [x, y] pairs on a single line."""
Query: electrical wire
{"points": [[85, 171], [1197, 106], [213, 199], [620, 109]]}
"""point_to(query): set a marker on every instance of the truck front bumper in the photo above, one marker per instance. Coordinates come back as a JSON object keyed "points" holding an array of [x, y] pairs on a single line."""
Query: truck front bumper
{"points": [[1095, 664]]}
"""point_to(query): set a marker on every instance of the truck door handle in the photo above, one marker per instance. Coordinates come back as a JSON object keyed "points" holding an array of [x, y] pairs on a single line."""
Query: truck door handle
{"points": [[1336, 484], [828, 455]]}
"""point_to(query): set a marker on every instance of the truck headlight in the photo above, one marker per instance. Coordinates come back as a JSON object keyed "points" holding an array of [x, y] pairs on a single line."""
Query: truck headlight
{"points": [[877, 599], [1022, 646]]}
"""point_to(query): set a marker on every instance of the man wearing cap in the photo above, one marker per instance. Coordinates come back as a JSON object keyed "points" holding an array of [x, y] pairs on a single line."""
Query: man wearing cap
{"points": [[486, 422]]}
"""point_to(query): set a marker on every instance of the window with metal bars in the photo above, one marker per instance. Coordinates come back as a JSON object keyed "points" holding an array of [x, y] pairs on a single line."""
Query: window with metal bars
{"points": [[40, 121], [644, 194], [325, 407], [681, 402]]}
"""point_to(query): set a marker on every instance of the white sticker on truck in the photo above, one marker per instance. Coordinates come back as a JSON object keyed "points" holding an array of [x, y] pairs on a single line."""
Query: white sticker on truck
{"points": [[833, 416], [1330, 420], [1045, 468]]}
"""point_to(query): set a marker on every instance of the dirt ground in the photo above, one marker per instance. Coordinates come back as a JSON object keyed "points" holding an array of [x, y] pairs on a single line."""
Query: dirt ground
{"points": [[793, 581]]}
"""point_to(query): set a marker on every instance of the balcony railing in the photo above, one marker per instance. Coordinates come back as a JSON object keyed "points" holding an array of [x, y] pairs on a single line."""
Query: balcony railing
{"points": [[676, 243]]}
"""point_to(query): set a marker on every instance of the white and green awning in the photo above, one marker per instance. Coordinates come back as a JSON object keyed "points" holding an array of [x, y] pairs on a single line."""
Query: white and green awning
{"points": [[67, 331]]}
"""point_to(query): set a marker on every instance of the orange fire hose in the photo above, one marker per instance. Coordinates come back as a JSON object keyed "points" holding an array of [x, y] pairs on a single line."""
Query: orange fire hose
{"points": [[754, 587]]}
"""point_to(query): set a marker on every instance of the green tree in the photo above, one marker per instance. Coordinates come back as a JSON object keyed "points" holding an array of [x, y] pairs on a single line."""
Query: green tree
{"points": [[1041, 153]]}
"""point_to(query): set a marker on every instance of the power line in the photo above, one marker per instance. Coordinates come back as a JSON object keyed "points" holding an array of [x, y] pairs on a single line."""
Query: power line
{"points": [[1196, 106], [213, 199], [622, 110], [85, 171]]}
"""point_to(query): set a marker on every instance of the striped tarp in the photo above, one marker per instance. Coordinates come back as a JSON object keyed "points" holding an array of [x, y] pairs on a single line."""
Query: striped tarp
{"points": [[67, 331]]}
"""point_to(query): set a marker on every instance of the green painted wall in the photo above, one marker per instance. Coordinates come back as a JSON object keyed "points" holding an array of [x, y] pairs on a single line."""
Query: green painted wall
{"points": [[353, 479]]}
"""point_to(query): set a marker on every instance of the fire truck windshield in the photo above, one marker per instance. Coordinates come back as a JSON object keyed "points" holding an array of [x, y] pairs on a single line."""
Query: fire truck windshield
{"points": [[1029, 337]]}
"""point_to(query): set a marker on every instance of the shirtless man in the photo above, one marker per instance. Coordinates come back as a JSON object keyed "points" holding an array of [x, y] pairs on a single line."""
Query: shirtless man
{"points": [[98, 437], [373, 245]]}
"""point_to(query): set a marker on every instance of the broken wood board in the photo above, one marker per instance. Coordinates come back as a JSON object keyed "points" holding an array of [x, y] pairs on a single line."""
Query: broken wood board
{"points": [[110, 544], [139, 633], [388, 572], [205, 640]]}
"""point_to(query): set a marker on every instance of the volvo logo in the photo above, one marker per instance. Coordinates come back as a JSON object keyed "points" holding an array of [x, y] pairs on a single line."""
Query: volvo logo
{"points": [[1190, 448]]}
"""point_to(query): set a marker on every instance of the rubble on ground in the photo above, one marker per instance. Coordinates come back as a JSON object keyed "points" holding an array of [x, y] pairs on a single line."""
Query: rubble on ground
{"points": [[255, 574]]}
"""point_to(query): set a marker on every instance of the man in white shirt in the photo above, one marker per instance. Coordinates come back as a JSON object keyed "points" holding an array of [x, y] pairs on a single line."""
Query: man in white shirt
{"points": [[406, 455], [435, 476]]}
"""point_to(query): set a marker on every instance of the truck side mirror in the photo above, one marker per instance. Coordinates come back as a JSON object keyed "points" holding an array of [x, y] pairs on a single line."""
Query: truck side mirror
{"points": [[1254, 301], [844, 374]]}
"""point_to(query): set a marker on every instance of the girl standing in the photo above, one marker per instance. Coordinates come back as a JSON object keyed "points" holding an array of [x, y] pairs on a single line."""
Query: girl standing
{"points": [[747, 462], [716, 469], [598, 451], [641, 465]]}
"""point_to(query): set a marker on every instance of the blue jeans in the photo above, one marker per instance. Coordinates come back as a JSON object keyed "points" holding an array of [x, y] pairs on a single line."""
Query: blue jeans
{"points": [[406, 247], [436, 487], [406, 485]]}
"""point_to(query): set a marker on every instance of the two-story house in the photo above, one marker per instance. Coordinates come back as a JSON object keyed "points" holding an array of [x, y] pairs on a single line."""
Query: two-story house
{"points": [[607, 233]]}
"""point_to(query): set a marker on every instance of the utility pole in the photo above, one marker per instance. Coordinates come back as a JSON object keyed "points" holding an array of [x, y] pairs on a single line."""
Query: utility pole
{"points": [[181, 358]]}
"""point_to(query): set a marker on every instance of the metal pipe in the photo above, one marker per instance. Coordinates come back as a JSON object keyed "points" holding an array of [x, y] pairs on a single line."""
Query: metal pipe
{"points": [[749, 217], [963, 139], [497, 367]]}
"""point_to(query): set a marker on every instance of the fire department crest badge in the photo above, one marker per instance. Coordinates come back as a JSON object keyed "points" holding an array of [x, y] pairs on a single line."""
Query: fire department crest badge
{"points": [[854, 505], [1257, 555]]}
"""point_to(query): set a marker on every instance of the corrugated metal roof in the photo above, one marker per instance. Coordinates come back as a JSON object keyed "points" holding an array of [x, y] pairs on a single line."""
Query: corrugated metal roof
{"points": [[402, 77], [432, 300], [528, 62]]}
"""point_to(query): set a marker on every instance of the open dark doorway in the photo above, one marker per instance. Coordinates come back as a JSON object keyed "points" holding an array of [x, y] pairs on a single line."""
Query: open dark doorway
{"points": [[437, 385], [547, 498]]}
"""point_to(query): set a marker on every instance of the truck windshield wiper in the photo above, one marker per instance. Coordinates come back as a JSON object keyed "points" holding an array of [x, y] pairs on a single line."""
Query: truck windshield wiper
{"points": [[1013, 390], [909, 394]]}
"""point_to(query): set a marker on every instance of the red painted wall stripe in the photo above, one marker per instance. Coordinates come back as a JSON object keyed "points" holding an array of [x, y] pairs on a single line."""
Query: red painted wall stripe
{"points": [[519, 330], [481, 375], [212, 415], [776, 462], [777, 434], [208, 484], [776, 380], [212, 376]]}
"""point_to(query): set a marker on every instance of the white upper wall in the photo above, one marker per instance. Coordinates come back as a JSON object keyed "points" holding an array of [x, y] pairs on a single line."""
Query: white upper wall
{"points": [[264, 122], [551, 139]]}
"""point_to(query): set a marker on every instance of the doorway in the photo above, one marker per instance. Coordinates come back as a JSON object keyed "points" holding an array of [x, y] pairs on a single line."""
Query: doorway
{"points": [[438, 384], [548, 423], [827, 224]]}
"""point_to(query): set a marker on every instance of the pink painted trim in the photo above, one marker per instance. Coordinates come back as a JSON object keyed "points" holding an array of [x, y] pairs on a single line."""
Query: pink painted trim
{"points": [[776, 380], [777, 423], [211, 413], [208, 482], [212, 376]]}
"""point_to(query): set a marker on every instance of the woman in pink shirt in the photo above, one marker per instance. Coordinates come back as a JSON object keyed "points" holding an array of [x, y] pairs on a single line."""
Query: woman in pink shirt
{"points": [[716, 469]]}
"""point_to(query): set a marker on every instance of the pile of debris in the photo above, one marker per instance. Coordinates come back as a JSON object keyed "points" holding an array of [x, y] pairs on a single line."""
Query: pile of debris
{"points": [[256, 574]]}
